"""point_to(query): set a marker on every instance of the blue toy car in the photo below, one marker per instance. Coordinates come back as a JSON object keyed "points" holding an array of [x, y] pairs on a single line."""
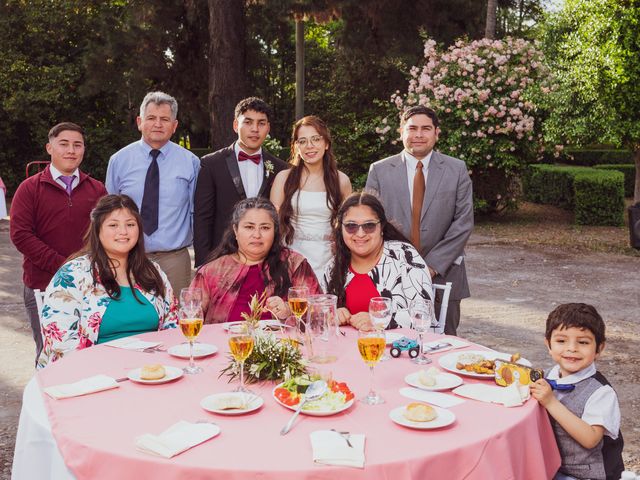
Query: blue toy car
{"points": [[405, 344]]}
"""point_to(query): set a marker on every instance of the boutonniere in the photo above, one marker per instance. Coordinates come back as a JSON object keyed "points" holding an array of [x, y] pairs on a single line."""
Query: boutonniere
{"points": [[268, 165]]}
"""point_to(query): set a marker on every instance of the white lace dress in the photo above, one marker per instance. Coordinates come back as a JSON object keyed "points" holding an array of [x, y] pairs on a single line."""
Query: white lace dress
{"points": [[312, 225]]}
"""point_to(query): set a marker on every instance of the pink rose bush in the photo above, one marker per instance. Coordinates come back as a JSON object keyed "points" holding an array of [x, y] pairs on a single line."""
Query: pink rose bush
{"points": [[482, 91]]}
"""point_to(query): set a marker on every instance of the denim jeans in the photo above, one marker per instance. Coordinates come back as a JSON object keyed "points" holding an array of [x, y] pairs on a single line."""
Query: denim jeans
{"points": [[34, 319]]}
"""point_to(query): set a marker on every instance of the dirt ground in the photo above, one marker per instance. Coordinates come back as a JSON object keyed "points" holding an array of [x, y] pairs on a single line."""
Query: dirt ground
{"points": [[515, 282]]}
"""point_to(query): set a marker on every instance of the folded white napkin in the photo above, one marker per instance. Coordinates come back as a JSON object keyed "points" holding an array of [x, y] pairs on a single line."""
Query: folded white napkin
{"points": [[439, 399], [330, 448], [177, 438], [97, 383], [512, 396], [131, 343], [455, 343]]}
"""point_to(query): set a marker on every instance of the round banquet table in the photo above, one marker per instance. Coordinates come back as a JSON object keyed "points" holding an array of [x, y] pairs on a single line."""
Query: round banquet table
{"points": [[94, 434]]}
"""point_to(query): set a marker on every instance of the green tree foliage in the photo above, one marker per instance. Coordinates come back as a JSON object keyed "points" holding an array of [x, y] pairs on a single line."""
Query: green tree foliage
{"points": [[593, 46]]}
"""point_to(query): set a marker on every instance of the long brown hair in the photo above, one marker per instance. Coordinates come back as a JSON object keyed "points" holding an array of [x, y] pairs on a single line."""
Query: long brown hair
{"points": [[273, 268], [140, 270], [292, 184], [342, 258]]}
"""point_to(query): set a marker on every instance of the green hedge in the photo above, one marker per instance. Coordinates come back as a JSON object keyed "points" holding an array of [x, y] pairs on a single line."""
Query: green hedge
{"points": [[629, 172], [596, 196], [591, 157]]}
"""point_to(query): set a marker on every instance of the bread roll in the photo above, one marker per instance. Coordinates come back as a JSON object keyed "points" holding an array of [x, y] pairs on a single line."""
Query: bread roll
{"points": [[420, 412], [229, 402], [428, 378], [152, 372]]}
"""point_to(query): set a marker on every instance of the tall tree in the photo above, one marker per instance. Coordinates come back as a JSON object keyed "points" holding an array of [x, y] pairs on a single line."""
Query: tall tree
{"points": [[490, 26], [593, 47], [227, 67]]}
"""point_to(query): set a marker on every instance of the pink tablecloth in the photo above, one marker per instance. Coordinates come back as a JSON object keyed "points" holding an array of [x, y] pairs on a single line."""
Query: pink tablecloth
{"points": [[96, 433]]}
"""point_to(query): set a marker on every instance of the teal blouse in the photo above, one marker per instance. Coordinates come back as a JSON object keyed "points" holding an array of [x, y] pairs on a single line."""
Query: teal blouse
{"points": [[126, 316]]}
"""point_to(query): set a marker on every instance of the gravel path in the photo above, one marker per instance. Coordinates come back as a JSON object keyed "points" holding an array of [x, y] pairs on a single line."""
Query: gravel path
{"points": [[513, 288]]}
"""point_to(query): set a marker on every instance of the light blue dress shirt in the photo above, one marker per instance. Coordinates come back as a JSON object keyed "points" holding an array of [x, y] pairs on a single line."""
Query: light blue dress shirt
{"points": [[178, 174]]}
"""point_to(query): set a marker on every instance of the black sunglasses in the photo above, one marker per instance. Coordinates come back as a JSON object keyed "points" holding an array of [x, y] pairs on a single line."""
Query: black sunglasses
{"points": [[353, 227]]}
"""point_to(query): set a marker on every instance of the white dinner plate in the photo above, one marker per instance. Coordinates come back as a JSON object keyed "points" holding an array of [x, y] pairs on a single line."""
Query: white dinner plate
{"points": [[273, 325], [254, 402], [448, 362], [313, 413], [444, 381], [444, 418], [199, 350], [171, 374]]}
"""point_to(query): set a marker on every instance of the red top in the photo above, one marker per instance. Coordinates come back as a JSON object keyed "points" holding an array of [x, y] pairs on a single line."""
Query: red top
{"points": [[47, 225], [253, 284], [359, 292]]}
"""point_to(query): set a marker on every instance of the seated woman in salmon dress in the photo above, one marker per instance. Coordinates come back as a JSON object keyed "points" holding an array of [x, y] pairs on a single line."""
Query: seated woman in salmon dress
{"points": [[249, 261], [109, 290]]}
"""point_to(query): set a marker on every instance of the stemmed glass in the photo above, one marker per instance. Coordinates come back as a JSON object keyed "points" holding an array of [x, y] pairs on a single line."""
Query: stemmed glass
{"points": [[241, 345], [380, 312], [371, 345], [422, 316], [191, 320], [298, 298]]}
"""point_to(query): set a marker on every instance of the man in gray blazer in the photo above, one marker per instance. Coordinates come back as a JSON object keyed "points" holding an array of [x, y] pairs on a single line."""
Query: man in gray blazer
{"points": [[429, 196]]}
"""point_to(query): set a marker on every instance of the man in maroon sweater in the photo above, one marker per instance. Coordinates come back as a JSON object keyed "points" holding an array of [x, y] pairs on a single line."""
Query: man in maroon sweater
{"points": [[50, 214]]}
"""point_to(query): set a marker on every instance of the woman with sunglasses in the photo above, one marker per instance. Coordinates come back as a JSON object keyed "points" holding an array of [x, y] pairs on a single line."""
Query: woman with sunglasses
{"points": [[373, 259], [309, 193]]}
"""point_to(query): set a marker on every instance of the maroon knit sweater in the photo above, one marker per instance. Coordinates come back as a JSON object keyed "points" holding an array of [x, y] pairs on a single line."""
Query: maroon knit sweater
{"points": [[47, 225]]}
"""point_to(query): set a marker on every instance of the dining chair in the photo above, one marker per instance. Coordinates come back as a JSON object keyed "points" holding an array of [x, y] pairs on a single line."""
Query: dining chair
{"points": [[444, 305], [39, 302]]}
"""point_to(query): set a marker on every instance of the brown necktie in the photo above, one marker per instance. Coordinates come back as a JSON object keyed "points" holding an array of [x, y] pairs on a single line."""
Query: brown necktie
{"points": [[416, 205]]}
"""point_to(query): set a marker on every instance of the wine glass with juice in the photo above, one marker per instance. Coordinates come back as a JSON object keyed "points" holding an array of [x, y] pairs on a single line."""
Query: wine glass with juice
{"points": [[191, 320]]}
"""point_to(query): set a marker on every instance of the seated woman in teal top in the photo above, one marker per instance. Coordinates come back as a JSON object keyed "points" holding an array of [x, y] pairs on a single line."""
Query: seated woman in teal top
{"points": [[109, 290], [125, 316]]}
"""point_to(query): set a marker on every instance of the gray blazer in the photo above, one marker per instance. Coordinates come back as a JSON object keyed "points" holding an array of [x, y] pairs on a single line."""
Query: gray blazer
{"points": [[447, 212]]}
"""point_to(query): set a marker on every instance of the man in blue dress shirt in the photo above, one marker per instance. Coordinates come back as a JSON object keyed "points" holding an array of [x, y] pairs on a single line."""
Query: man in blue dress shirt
{"points": [[160, 176]]}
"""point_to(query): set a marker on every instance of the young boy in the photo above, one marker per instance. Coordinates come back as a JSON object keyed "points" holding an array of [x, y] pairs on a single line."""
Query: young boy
{"points": [[583, 407]]}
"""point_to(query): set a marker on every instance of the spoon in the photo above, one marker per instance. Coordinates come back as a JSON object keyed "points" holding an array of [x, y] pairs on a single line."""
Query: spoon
{"points": [[314, 391]]}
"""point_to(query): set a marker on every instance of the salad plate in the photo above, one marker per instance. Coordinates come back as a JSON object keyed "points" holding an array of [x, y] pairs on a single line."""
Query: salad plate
{"points": [[449, 361], [171, 374], [334, 401], [222, 403], [199, 350], [444, 418]]}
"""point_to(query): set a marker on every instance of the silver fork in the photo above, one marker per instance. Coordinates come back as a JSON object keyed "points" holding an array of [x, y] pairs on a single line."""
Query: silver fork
{"points": [[153, 349], [344, 435]]}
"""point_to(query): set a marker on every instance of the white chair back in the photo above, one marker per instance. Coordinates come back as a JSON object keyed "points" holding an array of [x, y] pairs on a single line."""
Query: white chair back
{"points": [[39, 302], [444, 306]]}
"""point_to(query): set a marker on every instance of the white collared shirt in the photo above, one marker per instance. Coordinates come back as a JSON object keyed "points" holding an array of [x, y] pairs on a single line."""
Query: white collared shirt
{"points": [[56, 174], [602, 407], [250, 173], [411, 163]]}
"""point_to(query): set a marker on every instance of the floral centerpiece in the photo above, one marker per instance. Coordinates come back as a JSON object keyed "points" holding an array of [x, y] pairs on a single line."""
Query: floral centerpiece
{"points": [[272, 358]]}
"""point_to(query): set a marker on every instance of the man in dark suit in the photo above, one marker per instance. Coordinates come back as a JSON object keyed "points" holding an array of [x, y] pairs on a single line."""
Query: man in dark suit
{"points": [[242, 170], [430, 196]]}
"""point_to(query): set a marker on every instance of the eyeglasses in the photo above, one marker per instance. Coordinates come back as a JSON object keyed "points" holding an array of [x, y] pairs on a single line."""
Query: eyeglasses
{"points": [[367, 227], [315, 140]]}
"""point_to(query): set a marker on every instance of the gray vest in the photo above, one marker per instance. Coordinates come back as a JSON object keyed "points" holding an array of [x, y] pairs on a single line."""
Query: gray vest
{"points": [[577, 461]]}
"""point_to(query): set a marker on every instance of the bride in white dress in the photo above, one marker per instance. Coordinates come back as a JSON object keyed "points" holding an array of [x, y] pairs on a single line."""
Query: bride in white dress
{"points": [[308, 195]]}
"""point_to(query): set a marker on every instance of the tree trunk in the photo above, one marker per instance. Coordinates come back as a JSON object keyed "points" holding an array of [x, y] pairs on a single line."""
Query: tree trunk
{"points": [[490, 26], [227, 67], [636, 190]]}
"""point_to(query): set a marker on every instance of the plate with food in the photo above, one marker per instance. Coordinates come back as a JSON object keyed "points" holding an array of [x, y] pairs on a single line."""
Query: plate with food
{"points": [[273, 325], [478, 363], [336, 399], [433, 380], [232, 403], [422, 416], [154, 374], [200, 350]]}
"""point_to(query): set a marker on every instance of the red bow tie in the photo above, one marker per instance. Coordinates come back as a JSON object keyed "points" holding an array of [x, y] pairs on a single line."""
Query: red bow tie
{"points": [[242, 156]]}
